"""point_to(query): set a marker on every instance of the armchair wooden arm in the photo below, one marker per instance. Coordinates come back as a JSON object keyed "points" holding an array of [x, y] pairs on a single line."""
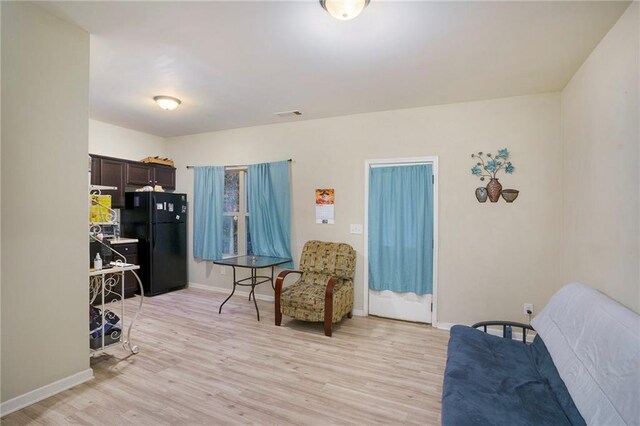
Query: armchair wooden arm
{"points": [[328, 305], [278, 291]]}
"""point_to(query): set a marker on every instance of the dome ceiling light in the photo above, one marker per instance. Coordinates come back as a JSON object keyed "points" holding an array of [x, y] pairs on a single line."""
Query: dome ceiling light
{"points": [[168, 103], [344, 9]]}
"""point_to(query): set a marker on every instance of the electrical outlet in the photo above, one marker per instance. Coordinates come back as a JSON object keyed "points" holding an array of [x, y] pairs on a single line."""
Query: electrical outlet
{"points": [[355, 228], [527, 307], [223, 270]]}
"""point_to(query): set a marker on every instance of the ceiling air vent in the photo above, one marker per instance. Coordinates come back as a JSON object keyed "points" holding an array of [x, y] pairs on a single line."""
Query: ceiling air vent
{"points": [[288, 114]]}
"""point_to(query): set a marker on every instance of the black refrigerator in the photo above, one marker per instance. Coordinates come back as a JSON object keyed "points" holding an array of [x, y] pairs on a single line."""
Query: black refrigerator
{"points": [[159, 221]]}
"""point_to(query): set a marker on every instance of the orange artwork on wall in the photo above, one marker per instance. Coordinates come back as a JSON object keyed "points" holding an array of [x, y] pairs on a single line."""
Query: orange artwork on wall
{"points": [[324, 196], [324, 206]]}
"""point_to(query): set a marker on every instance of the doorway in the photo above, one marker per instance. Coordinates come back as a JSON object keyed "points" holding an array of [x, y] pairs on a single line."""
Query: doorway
{"points": [[401, 238]]}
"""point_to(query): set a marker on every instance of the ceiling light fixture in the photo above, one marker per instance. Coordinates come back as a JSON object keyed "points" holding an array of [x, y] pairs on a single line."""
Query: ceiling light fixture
{"points": [[168, 103], [344, 9]]}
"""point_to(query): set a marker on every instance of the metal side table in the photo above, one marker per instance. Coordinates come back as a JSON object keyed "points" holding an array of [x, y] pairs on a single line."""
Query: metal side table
{"points": [[253, 263]]}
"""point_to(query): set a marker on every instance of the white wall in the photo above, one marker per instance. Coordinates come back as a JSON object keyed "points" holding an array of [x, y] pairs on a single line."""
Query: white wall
{"points": [[493, 257], [600, 131], [114, 141], [45, 92], [0, 207]]}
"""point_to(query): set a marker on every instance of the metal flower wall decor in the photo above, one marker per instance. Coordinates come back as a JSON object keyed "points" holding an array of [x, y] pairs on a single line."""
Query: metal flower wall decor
{"points": [[488, 166], [492, 165]]}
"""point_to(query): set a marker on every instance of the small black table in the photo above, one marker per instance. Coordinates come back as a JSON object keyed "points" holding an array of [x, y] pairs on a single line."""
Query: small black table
{"points": [[254, 263]]}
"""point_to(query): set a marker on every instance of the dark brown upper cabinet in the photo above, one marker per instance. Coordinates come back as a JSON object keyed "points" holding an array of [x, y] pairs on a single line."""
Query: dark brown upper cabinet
{"points": [[112, 174], [165, 176], [138, 174], [95, 171], [126, 173], [143, 174]]}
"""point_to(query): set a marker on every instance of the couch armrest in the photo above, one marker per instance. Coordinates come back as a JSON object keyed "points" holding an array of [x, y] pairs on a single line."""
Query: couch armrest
{"points": [[506, 325]]}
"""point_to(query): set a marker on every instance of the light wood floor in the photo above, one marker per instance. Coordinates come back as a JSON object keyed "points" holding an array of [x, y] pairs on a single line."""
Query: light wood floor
{"points": [[198, 367]]}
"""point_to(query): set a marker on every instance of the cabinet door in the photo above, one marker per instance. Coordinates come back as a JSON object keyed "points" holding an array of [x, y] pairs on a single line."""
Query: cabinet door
{"points": [[138, 174], [165, 177], [130, 253], [130, 281], [112, 174], [95, 171]]}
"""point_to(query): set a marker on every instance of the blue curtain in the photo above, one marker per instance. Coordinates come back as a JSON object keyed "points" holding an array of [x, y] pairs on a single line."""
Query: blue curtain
{"points": [[401, 229], [208, 212], [269, 203]]}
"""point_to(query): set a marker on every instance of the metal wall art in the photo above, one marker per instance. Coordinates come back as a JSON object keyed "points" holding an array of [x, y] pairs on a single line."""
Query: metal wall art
{"points": [[487, 166]]}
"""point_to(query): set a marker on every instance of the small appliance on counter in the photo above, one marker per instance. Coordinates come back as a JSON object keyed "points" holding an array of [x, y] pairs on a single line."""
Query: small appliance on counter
{"points": [[159, 221]]}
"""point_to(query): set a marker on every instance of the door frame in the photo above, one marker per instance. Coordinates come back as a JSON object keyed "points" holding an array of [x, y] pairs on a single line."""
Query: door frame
{"points": [[404, 161]]}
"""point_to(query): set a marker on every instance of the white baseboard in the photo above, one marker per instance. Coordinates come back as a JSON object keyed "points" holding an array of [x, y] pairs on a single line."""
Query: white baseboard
{"points": [[358, 312], [44, 392], [226, 290], [443, 325]]}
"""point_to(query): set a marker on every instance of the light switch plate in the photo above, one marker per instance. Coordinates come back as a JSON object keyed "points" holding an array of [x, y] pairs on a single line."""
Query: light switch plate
{"points": [[356, 228]]}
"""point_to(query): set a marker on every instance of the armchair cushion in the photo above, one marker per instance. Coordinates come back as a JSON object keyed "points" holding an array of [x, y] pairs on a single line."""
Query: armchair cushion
{"points": [[305, 301], [329, 259]]}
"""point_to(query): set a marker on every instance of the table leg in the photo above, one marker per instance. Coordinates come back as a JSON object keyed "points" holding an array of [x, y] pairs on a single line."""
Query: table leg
{"points": [[232, 291], [272, 285], [254, 274]]}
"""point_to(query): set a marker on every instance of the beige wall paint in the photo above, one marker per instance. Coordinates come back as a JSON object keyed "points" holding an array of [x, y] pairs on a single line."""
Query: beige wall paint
{"points": [[115, 141], [45, 81], [492, 258], [600, 117], [0, 206]]}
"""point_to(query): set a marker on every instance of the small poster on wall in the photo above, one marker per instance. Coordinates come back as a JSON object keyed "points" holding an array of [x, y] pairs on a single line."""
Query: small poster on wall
{"points": [[324, 206]]}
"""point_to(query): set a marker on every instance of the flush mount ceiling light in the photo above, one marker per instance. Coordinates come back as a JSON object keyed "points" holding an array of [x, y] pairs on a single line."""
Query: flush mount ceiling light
{"points": [[344, 9], [168, 103]]}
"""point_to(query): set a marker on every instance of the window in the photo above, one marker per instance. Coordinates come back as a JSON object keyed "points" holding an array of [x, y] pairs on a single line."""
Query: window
{"points": [[236, 237]]}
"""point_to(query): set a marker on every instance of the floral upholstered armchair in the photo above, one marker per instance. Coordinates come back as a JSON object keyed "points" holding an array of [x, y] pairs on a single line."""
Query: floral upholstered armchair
{"points": [[324, 291]]}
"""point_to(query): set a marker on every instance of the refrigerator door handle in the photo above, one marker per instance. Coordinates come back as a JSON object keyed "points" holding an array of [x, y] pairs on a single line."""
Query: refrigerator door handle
{"points": [[154, 216], [154, 209]]}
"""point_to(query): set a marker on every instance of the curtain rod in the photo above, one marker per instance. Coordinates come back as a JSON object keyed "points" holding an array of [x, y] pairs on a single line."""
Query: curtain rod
{"points": [[235, 165]]}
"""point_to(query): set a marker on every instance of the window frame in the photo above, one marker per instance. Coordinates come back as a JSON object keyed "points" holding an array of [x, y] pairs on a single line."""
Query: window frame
{"points": [[242, 213]]}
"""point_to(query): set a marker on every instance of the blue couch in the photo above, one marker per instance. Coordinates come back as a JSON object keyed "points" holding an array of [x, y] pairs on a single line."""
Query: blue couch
{"points": [[583, 367], [494, 381]]}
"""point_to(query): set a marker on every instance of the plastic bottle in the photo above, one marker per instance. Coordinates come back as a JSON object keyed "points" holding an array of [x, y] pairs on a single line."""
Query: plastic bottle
{"points": [[97, 263]]}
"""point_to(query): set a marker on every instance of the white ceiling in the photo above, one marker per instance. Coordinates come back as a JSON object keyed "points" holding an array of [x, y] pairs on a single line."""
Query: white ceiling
{"points": [[236, 63]]}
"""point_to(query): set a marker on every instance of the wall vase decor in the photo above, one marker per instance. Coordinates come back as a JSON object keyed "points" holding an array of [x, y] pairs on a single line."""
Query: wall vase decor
{"points": [[510, 194], [481, 194], [488, 166], [494, 189]]}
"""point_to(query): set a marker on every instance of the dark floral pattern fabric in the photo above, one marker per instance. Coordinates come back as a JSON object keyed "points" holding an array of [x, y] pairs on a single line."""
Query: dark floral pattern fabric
{"points": [[331, 259]]}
